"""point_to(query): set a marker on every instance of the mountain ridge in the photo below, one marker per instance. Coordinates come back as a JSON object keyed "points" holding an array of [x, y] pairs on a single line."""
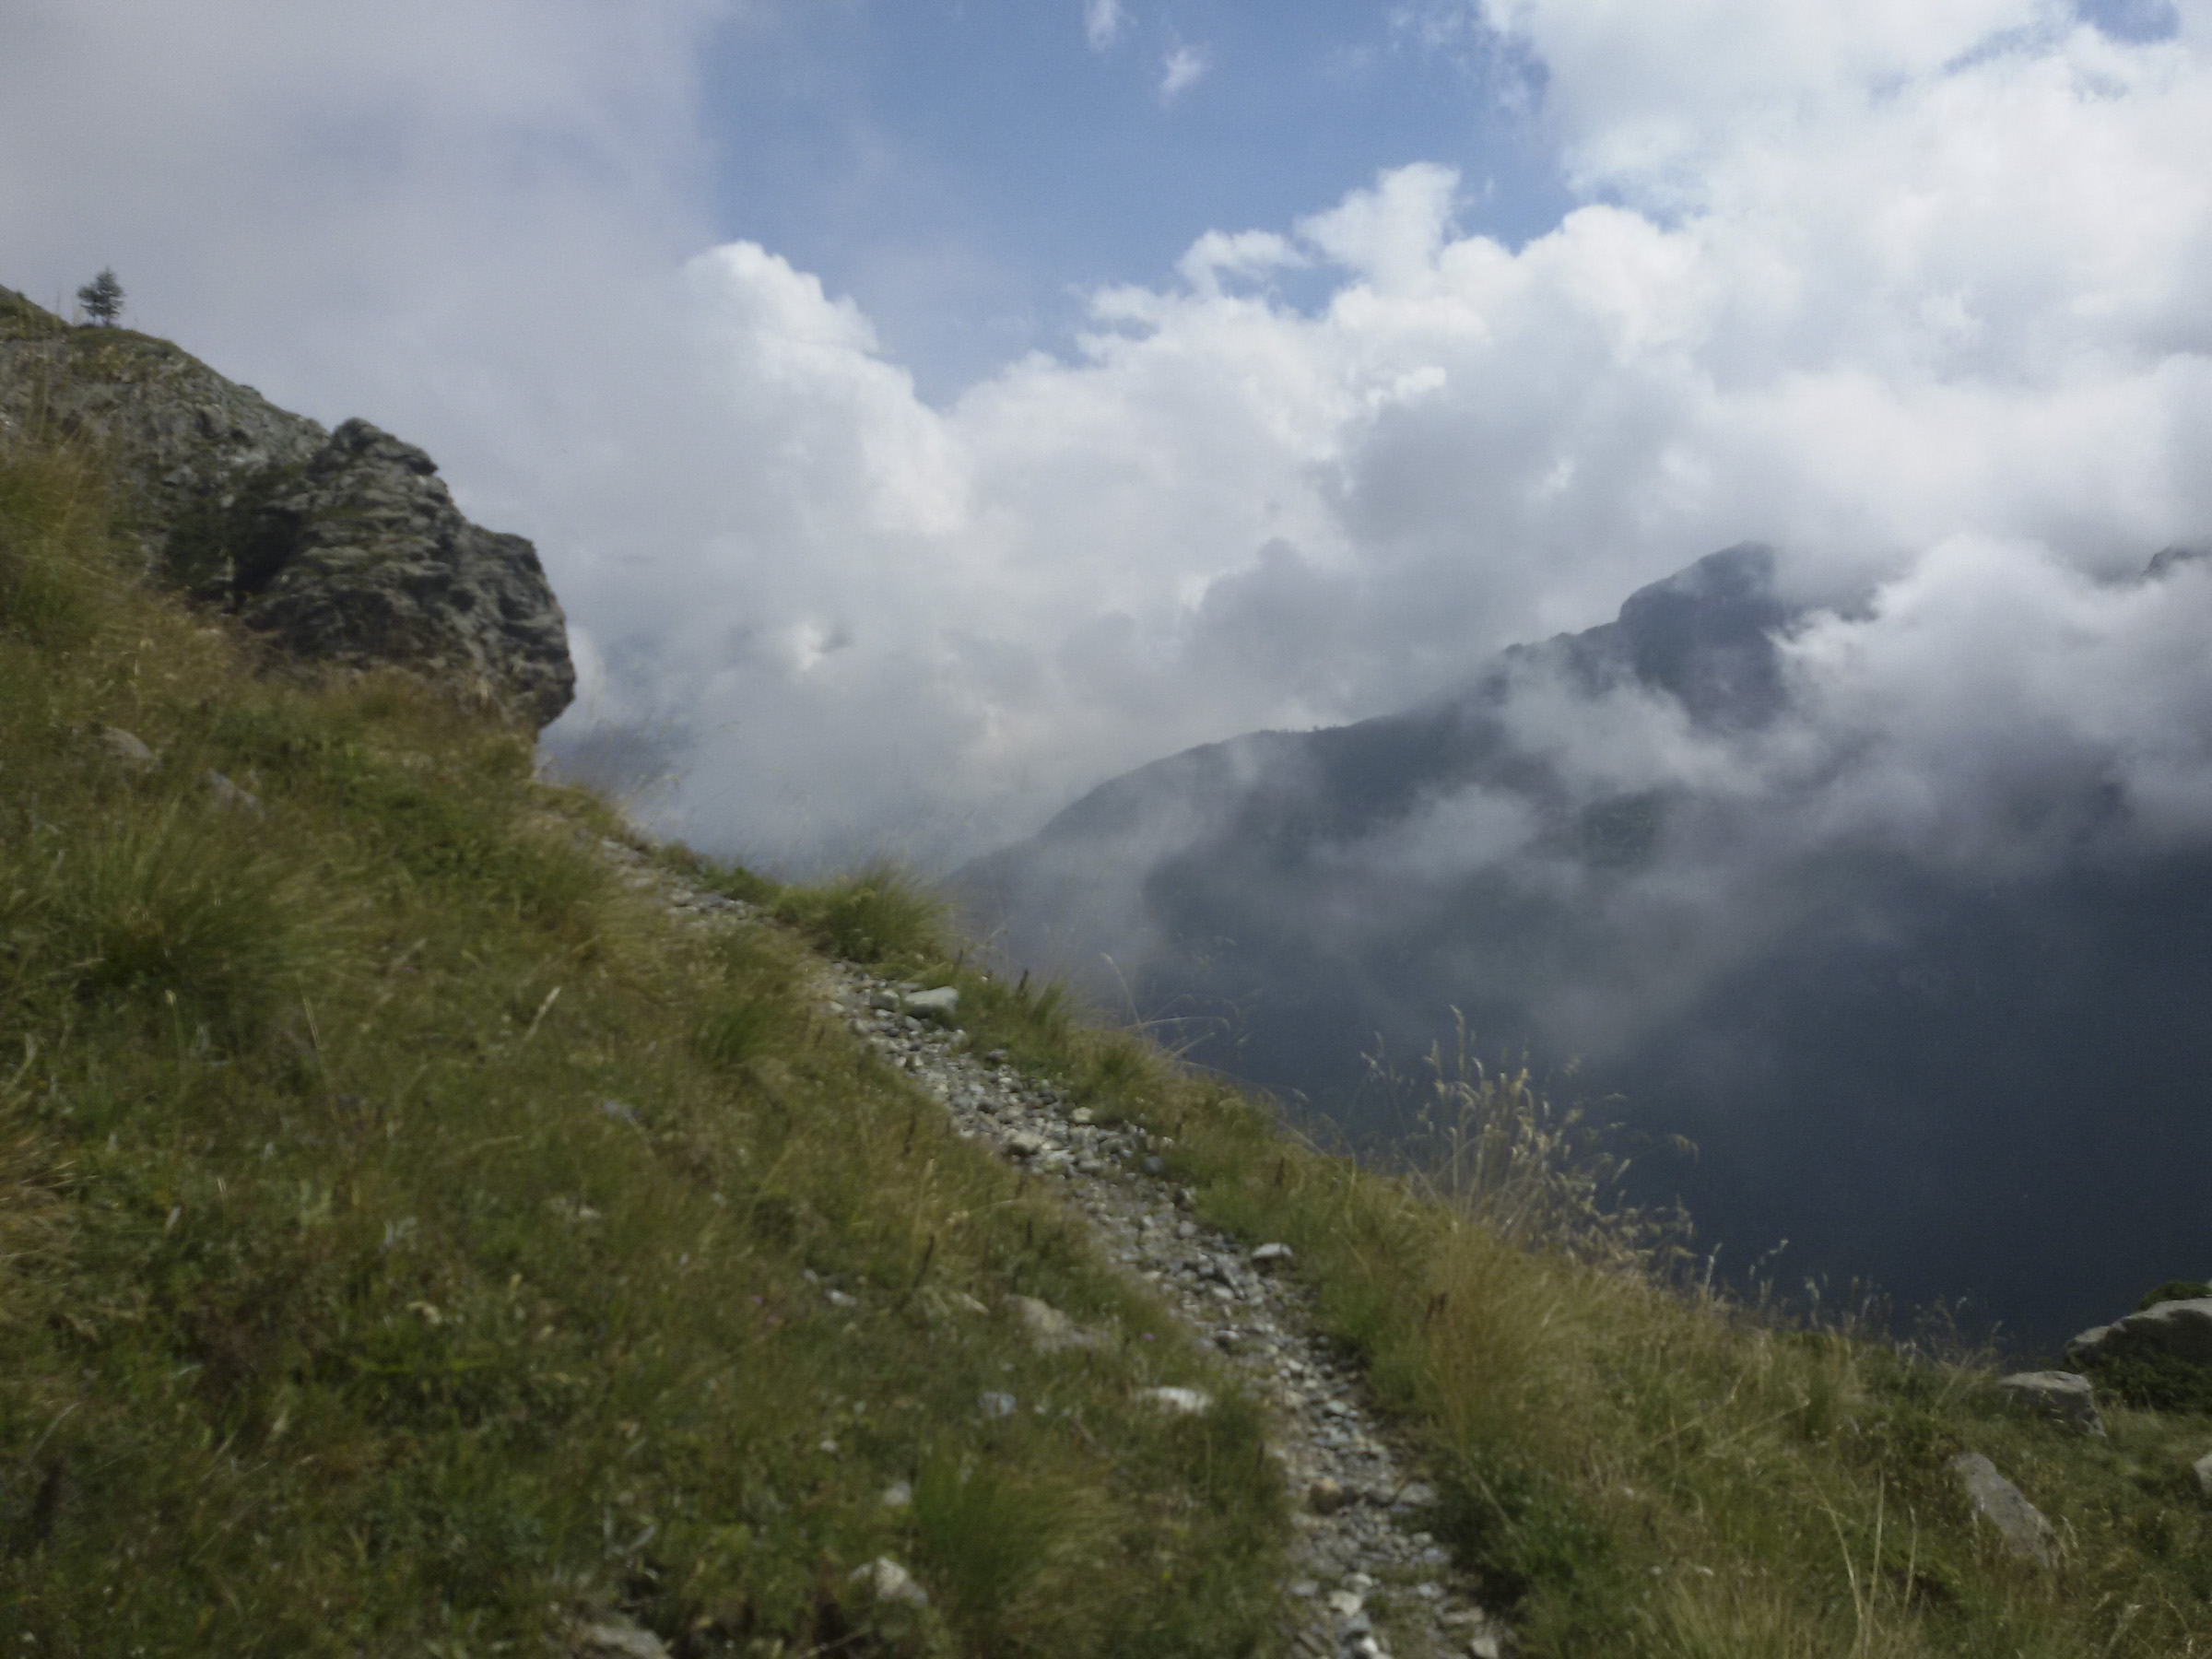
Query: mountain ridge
{"points": [[1288, 900]]}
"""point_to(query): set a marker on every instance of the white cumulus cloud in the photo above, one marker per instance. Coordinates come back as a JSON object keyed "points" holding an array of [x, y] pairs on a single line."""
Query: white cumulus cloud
{"points": [[1867, 283]]}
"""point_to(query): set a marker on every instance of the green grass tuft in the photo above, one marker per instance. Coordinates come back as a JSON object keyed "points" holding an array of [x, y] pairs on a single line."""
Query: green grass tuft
{"points": [[53, 516], [879, 916]]}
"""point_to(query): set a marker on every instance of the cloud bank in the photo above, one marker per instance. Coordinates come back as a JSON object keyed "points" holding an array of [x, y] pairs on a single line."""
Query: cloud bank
{"points": [[1935, 285], [1900, 907], [1876, 286]]}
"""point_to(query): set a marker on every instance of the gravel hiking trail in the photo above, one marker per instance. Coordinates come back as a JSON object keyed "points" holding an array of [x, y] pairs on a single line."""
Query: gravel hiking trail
{"points": [[1365, 1580]]}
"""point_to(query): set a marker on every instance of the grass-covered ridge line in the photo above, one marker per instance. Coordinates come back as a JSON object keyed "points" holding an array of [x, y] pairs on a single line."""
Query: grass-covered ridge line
{"points": [[412, 1239]]}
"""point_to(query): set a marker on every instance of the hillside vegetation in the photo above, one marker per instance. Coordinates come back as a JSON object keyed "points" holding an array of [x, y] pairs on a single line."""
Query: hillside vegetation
{"points": [[416, 1238]]}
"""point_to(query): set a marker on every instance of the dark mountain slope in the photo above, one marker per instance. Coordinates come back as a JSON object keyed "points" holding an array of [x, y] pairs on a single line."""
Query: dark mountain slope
{"points": [[1978, 1076]]}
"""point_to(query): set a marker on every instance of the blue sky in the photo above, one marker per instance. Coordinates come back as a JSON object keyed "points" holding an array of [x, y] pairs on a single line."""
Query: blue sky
{"points": [[927, 410], [967, 169]]}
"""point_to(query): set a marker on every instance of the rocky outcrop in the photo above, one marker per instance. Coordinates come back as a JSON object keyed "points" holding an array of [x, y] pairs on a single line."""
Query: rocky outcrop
{"points": [[178, 431], [359, 556], [2171, 1329], [340, 548]]}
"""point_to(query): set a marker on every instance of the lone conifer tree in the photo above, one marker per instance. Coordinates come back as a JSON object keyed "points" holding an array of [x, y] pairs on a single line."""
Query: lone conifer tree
{"points": [[103, 299]]}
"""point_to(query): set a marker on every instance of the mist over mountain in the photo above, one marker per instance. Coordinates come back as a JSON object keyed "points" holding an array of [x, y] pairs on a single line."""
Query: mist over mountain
{"points": [[1898, 901]]}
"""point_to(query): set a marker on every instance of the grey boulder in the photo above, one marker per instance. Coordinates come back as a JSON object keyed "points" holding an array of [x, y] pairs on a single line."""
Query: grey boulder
{"points": [[229, 794], [615, 1638], [1996, 1501], [2067, 1396], [943, 1004], [125, 746], [888, 1581], [2179, 1330], [360, 558], [1050, 1331]]}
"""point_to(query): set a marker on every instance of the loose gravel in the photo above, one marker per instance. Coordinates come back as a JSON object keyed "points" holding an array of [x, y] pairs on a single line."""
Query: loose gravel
{"points": [[1366, 1581]]}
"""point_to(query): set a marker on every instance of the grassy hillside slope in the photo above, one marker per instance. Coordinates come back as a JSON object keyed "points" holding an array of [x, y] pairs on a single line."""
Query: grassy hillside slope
{"points": [[414, 1239], [412, 1236]]}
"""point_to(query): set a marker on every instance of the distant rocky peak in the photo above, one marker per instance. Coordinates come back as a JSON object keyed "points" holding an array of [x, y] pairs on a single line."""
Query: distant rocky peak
{"points": [[2169, 559], [1727, 595], [1704, 636]]}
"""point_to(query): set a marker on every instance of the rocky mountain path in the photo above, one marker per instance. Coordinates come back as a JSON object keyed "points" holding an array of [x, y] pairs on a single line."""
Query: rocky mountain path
{"points": [[1366, 1581]]}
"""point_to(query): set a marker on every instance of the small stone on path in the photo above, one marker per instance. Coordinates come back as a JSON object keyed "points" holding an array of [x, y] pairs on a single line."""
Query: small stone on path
{"points": [[942, 1004]]}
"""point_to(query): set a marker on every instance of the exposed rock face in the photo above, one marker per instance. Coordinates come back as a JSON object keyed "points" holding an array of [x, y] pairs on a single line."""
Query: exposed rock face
{"points": [[360, 557], [2178, 1330], [178, 430], [343, 547]]}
